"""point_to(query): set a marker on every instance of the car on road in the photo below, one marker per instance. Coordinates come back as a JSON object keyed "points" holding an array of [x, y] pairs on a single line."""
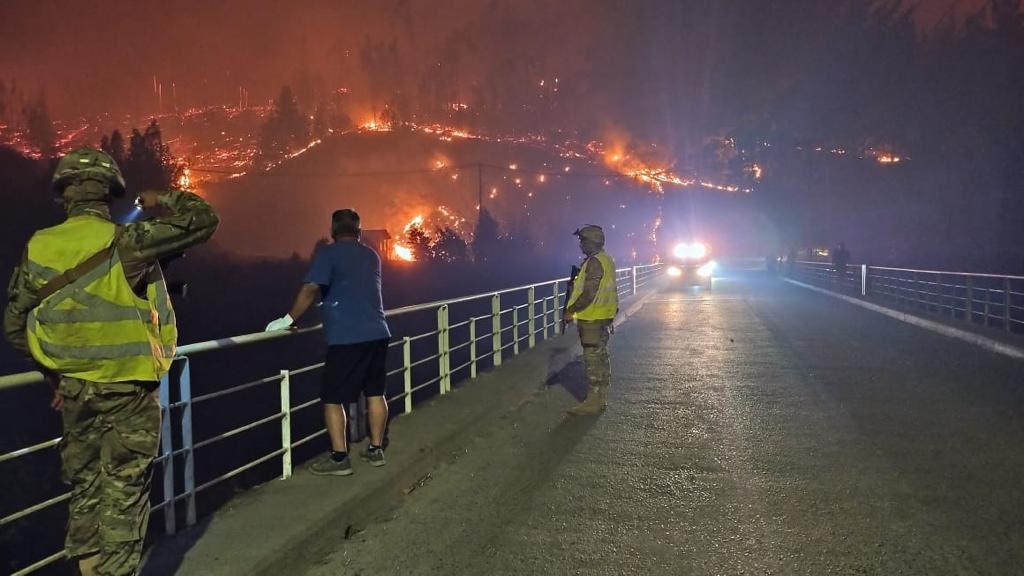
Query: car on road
{"points": [[690, 264]]}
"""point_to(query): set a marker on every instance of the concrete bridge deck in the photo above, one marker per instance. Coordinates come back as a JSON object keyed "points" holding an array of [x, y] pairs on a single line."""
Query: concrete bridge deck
{"points": [[758, 429]]}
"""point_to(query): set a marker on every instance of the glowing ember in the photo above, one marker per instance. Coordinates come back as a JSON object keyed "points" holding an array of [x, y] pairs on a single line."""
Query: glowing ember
{"points": [[374, 126], [185, 181]]}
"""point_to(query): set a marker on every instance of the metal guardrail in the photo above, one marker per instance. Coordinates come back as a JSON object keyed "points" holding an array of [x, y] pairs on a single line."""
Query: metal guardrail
{"points": [[506, 329], [990, 300]]}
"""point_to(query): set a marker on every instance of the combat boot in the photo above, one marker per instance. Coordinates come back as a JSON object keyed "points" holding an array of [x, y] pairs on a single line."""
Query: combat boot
{"points": [[592, 405]]}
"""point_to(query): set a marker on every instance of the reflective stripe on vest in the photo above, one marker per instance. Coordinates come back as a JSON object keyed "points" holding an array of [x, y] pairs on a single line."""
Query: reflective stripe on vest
{"points": [[606, 301], [97, 328]]}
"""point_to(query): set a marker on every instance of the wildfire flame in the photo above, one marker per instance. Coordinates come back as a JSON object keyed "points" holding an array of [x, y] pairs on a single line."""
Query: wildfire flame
{"points": [[404, 253], [656, 178]]}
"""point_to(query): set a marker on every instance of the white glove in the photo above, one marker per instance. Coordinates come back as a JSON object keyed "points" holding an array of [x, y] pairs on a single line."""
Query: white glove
{"points": [[283, 323]]}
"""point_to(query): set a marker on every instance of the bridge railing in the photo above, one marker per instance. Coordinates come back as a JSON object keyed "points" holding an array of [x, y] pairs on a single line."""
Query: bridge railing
{"points": [[492, 325], [989, 300]]}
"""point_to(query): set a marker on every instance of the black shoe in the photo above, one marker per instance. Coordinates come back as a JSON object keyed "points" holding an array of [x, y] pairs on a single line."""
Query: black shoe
{"points": [[328, 467]]}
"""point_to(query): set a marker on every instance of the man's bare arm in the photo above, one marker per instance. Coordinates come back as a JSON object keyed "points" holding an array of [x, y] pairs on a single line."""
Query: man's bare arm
{"points": [[306, 297]]}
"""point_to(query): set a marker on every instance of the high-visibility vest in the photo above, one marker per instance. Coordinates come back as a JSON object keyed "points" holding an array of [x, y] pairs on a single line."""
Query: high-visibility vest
{"points": [[606, 301], [96, 328]]}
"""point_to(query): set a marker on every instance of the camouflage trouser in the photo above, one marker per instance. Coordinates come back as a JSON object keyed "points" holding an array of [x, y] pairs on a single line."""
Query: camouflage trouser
{"points": [[111, 436], [594, 338]]}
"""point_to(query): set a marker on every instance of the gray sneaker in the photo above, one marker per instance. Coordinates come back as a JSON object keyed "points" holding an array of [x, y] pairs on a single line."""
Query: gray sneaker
{"points": [[326, 466], [373, 457]]}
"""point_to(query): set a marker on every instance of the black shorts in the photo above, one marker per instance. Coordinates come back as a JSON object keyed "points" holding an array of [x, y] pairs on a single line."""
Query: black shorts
{"points": [[354, 368]]}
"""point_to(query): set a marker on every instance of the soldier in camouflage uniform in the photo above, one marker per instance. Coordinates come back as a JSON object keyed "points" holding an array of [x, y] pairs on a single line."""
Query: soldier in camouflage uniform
{"points": [[112, 417], [593, 303]]}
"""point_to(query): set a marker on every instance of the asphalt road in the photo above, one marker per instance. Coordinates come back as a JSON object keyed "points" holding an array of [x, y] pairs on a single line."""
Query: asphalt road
{"points": [[758, 429]]}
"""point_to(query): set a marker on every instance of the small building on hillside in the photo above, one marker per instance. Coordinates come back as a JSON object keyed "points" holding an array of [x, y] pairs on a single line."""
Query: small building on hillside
{"points": [[380, 241]]}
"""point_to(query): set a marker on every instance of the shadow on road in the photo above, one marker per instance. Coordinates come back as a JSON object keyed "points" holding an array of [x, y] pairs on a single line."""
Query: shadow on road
{"points": [[573, 378], [167, 558]]}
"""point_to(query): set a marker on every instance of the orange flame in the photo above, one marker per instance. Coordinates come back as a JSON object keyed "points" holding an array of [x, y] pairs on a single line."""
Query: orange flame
{"points": [[404, 253]]}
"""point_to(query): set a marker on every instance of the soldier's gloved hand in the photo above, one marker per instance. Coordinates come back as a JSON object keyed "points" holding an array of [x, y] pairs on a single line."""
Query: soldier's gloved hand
{"points": [[149, 199], [57, 403], [53, 379], [283, 323]]}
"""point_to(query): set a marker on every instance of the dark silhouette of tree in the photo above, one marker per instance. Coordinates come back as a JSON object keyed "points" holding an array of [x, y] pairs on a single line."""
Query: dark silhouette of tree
{"points": [[146, 163], [114, 145], [420, 243], [389, 117], [3, 100], [449, 247], [285, 131], [486, 238], [381, 64], [39, 127], [321, 122], [11, 104]]}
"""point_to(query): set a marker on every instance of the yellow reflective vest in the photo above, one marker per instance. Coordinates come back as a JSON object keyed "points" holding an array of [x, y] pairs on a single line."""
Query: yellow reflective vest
{"points": [[606, 301], [96, 328]]}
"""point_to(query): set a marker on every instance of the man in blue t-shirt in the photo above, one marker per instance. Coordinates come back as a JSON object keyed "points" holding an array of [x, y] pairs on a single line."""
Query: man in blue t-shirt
{"points": [[346, 276]]}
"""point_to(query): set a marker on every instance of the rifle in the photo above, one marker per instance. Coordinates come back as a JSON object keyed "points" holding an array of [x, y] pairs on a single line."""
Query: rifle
{"points": [[573, 273]]}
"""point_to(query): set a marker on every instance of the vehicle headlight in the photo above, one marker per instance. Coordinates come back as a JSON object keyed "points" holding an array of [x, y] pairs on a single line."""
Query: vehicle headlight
{"points": [[707, 270], [697, 251], [674, 272], [694, 251]]}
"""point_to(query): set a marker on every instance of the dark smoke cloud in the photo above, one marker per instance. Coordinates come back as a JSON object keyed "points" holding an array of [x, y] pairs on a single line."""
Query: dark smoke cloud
{"points": [[102, 56]]}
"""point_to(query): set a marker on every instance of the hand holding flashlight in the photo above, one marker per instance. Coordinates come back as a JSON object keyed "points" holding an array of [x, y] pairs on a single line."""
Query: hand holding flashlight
{"points": [[147, 199]]}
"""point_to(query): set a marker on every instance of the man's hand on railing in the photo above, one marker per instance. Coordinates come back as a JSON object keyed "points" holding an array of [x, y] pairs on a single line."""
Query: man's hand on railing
{"points": [[284, 323]]}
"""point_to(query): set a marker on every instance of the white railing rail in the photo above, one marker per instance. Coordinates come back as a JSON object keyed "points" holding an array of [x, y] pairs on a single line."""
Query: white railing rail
{"points": [[505, 329], [990, 300]]}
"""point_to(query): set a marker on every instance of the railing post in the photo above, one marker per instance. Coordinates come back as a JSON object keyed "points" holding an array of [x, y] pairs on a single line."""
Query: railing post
{"points": [[442, 346], [634, 280], [988, 303], [496, 328], [916, 291], [407, 371], [556, 327], [286, 425], [472, 347], [970, 299], [863, 279], [940, 292], [544, 316], [167, 450], [189, 474], [356, 420], [515, 330], [1006, 306], [531, 324], [447, 350]]}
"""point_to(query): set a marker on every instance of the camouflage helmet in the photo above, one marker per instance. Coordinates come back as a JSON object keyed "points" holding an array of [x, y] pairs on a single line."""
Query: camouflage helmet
{"points": [[590, 233], [88, 163]]}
